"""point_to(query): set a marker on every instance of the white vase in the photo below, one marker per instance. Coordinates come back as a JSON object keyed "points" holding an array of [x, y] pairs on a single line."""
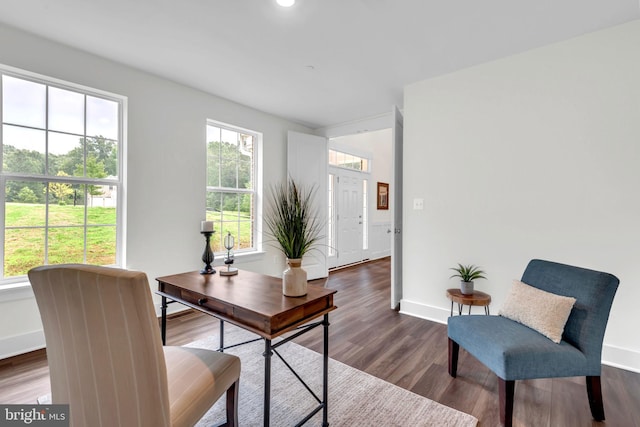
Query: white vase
{"points": [[294, 279], [466, 287]]}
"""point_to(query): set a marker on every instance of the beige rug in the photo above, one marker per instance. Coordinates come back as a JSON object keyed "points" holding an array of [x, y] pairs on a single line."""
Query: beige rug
{"points": [[355, 397]]}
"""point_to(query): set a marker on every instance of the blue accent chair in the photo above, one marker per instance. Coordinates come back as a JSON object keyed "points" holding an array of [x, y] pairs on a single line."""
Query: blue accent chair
{"points": [[516, 352]]}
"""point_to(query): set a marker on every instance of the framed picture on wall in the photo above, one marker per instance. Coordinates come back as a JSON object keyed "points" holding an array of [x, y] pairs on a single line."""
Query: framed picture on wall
{"points": [[383, 195]]}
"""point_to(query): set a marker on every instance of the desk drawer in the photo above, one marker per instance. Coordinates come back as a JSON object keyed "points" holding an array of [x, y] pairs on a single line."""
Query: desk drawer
{"points": [[203, 301]]}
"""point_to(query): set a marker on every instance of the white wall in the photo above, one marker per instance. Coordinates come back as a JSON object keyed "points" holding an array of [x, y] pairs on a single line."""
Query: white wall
{"points": [[532, 156], [166, 166]]}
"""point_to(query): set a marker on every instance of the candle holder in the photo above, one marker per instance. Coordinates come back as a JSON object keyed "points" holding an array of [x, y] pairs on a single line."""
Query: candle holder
{"points": [[228, 244], [207, 256]]}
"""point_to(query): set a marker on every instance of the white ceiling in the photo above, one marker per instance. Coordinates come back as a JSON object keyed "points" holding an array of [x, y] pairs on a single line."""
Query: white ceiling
{"points": [[320, 62]]}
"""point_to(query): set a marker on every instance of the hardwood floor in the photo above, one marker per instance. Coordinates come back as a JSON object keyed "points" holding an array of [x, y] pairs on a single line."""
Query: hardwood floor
{"points": [[409, 352]]}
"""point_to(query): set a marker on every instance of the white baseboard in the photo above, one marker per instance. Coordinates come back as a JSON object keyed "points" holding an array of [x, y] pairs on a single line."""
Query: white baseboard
{"points": [[19, 344], [622, 358], [617, 357]]}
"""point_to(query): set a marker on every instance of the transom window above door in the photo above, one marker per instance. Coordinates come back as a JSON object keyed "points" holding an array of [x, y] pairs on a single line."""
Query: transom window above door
{"points": [[348, 161]]}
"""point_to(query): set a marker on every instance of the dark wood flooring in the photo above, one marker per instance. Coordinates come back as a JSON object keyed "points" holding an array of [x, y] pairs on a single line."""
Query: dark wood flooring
{"points": [[409, 352]]}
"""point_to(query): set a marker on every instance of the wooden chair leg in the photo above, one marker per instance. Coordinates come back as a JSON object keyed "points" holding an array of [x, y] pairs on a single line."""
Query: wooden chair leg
{"points": [[506, 391], [232, 405], [594, 392], [454, 349]]}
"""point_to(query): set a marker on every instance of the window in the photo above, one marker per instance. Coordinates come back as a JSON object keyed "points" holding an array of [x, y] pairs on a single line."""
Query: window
{"points": [[331, 215], [60, 179], [348, 161], [231, 185]]}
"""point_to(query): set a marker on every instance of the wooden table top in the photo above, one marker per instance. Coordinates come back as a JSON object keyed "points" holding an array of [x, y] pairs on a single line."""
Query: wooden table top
{"points": [[477, 298], [250, 300]]}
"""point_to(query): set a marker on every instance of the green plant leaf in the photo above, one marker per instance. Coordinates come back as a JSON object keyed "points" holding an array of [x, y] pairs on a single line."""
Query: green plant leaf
{"points": [[292, 220]]}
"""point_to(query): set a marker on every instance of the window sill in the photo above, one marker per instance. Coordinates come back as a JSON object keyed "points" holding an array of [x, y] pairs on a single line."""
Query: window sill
{"points": [[15, 291], [22, 290], [241, 257]]}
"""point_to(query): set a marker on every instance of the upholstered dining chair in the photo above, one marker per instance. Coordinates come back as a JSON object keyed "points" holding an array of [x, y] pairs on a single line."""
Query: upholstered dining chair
{"points": [[514, 351], [106, 358]]}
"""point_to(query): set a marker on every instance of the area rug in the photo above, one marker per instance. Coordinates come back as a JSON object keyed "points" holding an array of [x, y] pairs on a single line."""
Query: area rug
{"points": [[355, 397]]}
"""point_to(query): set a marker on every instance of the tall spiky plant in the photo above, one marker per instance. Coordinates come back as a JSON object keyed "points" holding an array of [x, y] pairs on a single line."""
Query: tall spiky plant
{"points": [[291, 218]]}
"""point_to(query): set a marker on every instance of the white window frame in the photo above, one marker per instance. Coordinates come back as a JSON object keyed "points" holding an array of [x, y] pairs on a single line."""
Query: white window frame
{"points": [[256, 232], [11, 283]]}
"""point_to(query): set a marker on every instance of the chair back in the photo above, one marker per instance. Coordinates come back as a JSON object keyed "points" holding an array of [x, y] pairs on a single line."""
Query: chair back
{"points": [[593, 291], [103, 345]]}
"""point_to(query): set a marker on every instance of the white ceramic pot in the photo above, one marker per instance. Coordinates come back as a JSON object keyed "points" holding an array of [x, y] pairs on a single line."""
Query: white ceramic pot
{"points": [[294, 279], [466, 287]]}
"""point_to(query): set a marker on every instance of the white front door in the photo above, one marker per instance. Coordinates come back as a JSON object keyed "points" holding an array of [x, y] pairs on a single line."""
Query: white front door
{"points": [[349, 217], [307, 164]]}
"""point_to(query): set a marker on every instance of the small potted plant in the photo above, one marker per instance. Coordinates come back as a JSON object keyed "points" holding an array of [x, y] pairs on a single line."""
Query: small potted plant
{"points": [[292, 221], [467, 274]]}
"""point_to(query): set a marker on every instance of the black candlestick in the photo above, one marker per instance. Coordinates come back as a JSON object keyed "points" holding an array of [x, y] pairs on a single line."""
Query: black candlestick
{"points": [[207, 256]]}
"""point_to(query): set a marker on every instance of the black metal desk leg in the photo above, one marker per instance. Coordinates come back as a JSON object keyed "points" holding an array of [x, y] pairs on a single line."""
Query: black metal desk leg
{"points": [[163, 327], [267, 381], [221, 349], [325, 373]]}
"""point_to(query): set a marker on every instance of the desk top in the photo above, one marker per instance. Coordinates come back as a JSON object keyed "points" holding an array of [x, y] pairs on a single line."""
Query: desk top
{"points": [[250, 300]]}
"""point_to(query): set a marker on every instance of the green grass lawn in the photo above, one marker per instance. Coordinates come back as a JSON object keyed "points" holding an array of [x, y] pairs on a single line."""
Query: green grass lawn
{"points": [[24, 245]]}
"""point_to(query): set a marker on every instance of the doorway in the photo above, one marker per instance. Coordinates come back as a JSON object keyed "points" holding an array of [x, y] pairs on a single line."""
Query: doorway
{"points": [[358, 231]]}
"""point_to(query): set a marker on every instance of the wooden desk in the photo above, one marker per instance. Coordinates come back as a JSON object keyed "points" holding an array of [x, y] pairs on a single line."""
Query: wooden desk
{"points": [[476, 298], [254, 302]]}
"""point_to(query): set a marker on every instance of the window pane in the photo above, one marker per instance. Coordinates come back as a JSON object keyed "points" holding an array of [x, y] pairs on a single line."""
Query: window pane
{"points": [[23, 102], [214, 208], [102, 158], [23, 150], [213, 164], [230, 206], [102, 207], [101, 245], [66, 245], [66, 154], [245, 172], [102, 118], [213, 133], [65, 204], [246, 144], [66, 110], [24, 203], [243, 240], [228, 169], [229, 137], [23, 250]]}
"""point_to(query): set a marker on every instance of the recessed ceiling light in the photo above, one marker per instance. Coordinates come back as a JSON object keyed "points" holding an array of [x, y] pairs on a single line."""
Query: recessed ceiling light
{"points": [[286, 3]]}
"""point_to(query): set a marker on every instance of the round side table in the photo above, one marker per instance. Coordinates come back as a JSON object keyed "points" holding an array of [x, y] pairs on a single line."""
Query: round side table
{"points": [[476, 298]]}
